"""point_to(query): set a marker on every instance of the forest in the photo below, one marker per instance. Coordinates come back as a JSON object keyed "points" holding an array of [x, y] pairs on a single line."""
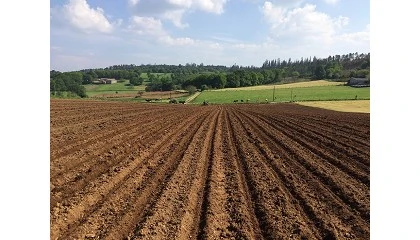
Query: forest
{"points": [[204, 77]]}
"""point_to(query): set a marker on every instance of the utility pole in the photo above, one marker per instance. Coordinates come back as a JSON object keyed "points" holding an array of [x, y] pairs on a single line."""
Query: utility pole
{"points": [[291, 94], [274, 89]]}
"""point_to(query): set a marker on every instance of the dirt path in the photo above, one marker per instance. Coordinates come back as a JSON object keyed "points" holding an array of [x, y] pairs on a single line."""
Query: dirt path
{"points": [[192, 97]]}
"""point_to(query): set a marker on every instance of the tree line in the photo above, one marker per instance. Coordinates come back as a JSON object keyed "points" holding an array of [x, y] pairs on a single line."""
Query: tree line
{"points": [[333, 67], [337, 67], [67, 82]]}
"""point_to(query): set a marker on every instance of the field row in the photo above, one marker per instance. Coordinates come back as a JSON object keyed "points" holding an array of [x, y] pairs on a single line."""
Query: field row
{"points": [[271, 171]]}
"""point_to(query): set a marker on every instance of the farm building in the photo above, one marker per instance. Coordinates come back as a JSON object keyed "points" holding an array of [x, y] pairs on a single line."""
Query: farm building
{"points": [[105, 81], [110, 80], [358, 82]]}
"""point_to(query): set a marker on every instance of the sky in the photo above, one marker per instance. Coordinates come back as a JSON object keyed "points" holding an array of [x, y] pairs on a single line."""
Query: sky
{"points": [[100, 33]]}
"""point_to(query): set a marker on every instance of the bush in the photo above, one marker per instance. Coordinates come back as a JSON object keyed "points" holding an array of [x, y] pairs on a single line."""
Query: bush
{"points": [[136, 81], [204, 87], [191, 89]]}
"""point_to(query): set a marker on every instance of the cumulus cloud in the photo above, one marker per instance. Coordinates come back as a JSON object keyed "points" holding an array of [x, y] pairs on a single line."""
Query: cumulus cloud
{"points": [[356, 37], [174, 10], [176, 17], [146, 26], [78, 14], [331, 1], [151, 29], [212, 6], [303, 23]]}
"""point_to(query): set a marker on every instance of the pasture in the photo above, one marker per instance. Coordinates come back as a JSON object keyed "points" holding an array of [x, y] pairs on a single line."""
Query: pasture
{"points": [[104, 90], [123, 88], [283, 94]]}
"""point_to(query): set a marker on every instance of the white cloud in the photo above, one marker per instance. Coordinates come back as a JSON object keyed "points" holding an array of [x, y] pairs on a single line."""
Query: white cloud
{"points": [[78, 14], [212, 6], [215, 46], [132, 2], [299, 31], [302, 23], [356, 37], [285, 3], [151, 29], [83, 17], [246, 46], [181, 3], [225, 38], [168, 40], [176, 17], [274, 15], [331, 1], [146, 26], [341, 21], [174, 10]]}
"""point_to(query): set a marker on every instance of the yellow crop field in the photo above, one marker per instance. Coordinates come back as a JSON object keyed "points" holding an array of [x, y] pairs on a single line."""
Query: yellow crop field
{"points": [[288, 85], [362, 106]]}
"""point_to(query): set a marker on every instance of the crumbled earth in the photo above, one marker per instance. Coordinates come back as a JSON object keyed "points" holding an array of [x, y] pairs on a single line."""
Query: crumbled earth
{"points": [[238, 171]]}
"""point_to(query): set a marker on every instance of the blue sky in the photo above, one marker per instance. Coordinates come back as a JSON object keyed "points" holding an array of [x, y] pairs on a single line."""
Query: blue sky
{"points": [[100, 33]]}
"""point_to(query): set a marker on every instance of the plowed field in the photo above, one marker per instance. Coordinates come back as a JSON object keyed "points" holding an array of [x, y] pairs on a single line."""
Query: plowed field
{"points": [[268, 171]]}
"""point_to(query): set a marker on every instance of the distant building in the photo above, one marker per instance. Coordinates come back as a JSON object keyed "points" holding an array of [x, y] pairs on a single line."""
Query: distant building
{"points": [[358, 82], [110, 80], [105, 81]]}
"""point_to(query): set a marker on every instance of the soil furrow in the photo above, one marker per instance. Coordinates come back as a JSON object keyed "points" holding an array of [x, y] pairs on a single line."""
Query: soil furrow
{"points": [[151, 188], [85, 113], [105, 186], [357, 125], [350, 145], [99, 163], [308, 190], [349, 127], [122, 170], [359, 142], [239, 204], [101, 131], [275, 204], [120, 137], [347, 189], [317, 146], [170, 217]]}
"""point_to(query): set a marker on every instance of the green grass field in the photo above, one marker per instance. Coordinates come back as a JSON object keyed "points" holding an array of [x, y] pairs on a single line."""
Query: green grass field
{"points": [[316, 93], [93, 90], [311, 92]]}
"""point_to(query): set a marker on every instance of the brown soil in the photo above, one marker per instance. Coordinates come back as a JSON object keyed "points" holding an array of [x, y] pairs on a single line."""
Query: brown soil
{"points": [[270, 171], [145, 95], [163, 95]]}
